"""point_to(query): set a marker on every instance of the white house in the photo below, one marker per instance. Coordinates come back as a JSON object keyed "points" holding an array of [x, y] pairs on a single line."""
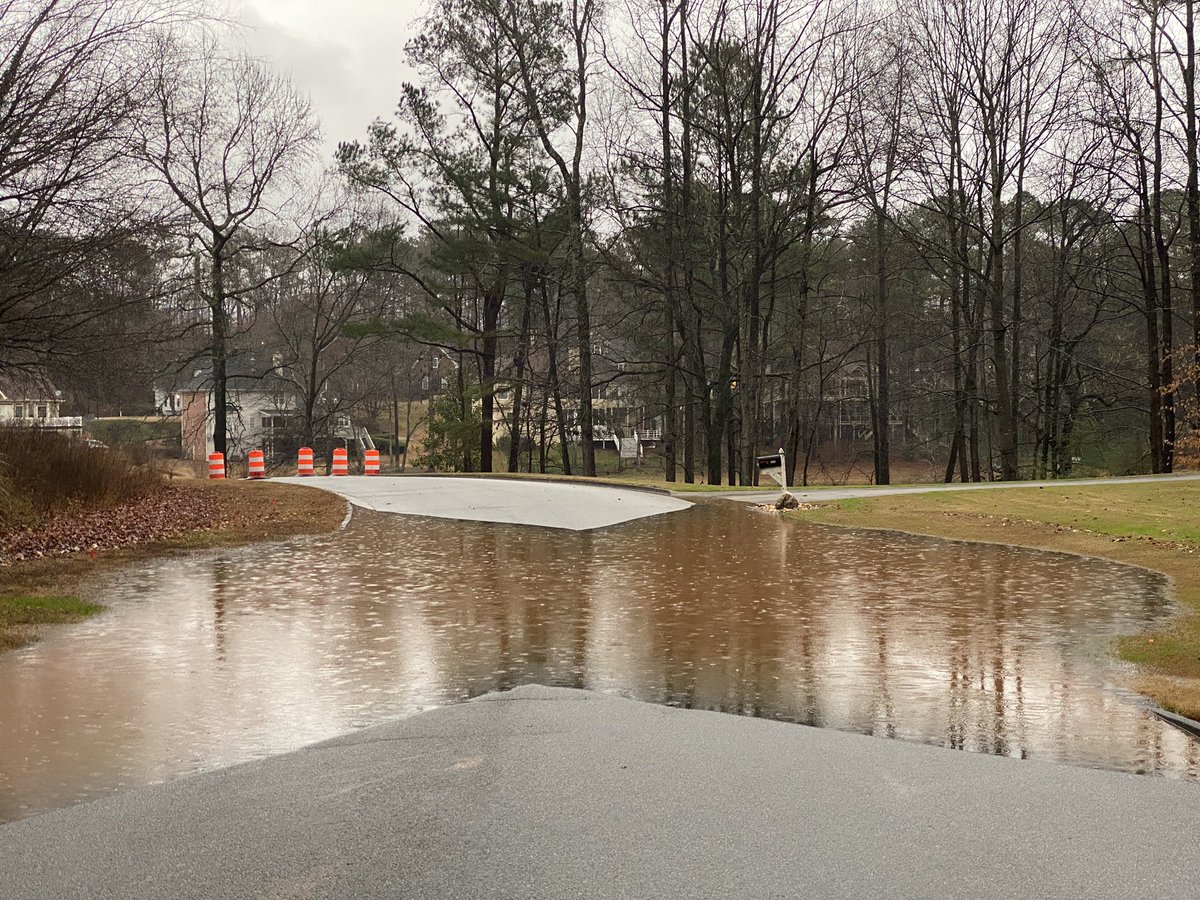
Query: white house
{"points": [[33, 401], [261, 413]]}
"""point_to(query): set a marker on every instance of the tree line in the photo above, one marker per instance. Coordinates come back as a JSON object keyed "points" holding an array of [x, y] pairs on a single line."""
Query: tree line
{"points": [[961, 232]]}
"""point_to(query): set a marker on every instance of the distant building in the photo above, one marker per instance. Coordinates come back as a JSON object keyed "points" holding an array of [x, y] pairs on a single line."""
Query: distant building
{"points": [[34, 401], [168, 401], [261, 413]]}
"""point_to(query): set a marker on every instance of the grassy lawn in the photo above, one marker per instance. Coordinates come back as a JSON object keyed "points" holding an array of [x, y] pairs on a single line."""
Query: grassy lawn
{"points": [[134, 429], [20, 616], [1153, 525], [47, 591]]}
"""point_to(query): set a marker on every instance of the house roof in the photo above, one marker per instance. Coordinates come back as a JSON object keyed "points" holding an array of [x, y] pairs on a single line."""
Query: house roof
{"points": [[243, 372], [27, 386]]}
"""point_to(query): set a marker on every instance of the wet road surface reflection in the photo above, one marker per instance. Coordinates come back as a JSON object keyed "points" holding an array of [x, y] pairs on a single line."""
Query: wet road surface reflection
{"points": [[217, 658]]}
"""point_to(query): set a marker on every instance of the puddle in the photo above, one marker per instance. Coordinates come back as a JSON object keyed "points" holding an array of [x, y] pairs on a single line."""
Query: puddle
{"points": [[213, 659]]}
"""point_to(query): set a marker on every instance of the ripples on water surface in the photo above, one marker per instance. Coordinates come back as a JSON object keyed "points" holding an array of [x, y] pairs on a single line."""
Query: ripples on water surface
{"points": [[216, 658]]}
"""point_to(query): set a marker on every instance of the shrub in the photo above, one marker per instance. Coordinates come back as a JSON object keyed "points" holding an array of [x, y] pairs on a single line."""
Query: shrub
{"points": [[43, 473], [451, 434]]}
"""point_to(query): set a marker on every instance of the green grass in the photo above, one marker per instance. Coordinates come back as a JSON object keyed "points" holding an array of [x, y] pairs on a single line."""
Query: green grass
{"points": [[21, 614], [22, 610], [134, 429]]}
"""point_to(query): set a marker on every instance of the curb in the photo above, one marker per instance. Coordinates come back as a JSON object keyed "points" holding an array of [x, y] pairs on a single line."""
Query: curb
{"points": [[1183, 723]]}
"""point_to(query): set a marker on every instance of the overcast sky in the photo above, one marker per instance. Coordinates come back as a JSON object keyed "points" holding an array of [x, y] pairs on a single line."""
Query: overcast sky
{"points": [[347, 54]]}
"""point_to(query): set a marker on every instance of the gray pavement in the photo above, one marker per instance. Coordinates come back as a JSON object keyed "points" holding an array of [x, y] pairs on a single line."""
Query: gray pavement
{"points": [[555, 793], [548, 504], [816, 495]]}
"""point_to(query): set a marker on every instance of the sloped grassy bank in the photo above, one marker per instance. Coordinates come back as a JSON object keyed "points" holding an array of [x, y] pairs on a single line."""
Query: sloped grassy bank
{"points": [[1153, 525]]}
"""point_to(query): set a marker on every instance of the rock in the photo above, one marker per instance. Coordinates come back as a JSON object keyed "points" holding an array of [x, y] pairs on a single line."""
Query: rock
{"points": [[787, 501]]}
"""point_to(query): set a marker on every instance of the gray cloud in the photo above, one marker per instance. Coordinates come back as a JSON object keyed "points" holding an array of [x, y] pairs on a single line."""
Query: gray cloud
{"points": [[348, 56]]}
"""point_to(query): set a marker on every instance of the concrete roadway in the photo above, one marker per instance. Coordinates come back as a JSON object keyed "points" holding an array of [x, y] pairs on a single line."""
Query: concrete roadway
{"points": [[816, 495], [547, 504], [554, 793]]}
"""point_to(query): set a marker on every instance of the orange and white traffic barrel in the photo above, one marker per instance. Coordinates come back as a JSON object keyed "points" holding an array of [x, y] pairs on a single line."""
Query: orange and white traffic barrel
{"points": [[257, 464], [341, 462], [304, 461], [371, 462], [216, 465]]}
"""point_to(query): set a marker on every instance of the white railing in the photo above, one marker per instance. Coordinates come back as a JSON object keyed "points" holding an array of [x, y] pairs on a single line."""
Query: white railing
{"points": [[48, 422]]}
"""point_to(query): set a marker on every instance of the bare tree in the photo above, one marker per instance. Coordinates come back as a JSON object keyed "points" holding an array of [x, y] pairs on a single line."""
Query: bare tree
{"points": [[228, 139], [72, 87], [327, 292]]}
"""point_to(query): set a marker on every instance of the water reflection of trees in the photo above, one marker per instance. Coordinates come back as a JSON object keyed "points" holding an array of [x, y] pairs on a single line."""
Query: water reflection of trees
{"points": [[972, 647]]}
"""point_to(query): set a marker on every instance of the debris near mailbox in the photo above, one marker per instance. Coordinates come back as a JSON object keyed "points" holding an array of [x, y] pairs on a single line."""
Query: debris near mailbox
{"points": [[787, 501], [785, 504]]}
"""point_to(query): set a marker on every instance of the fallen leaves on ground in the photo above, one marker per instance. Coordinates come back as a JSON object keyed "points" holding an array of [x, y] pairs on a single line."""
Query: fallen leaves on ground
{"points": [[164, 514], [187, 516]]}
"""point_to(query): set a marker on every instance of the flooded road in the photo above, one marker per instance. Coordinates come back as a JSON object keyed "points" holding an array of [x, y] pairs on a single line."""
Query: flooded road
{"points": [[217, 658]]}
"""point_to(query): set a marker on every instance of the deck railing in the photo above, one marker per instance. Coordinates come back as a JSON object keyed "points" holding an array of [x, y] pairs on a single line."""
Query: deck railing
{"points": [[47, 422]]}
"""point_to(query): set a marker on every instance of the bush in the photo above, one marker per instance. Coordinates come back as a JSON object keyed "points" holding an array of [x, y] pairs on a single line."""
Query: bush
{"points": [[451, 436], [43, 473]]}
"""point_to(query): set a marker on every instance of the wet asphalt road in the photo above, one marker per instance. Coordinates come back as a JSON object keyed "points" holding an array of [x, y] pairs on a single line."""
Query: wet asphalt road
{"points": [[555, 793]]}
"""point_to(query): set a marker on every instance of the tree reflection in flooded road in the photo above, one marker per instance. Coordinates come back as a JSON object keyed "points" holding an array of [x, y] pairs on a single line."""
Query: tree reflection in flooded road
{"points": [[217, 658]]}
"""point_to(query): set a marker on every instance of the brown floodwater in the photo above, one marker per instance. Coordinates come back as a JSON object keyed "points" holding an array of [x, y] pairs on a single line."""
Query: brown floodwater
{"points": [[216, 658]]}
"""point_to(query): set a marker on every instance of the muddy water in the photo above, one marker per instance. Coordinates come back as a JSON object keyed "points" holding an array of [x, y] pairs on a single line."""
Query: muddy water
{"points": [[213, 659]]}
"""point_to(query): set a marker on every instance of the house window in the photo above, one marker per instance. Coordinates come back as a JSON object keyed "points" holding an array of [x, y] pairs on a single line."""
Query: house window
{"points": [[434, 362], [41, 412], [19, 411]]}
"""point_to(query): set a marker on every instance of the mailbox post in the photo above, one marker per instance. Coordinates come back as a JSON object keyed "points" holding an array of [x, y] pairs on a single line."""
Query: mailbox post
{"points": [[772, 466]]}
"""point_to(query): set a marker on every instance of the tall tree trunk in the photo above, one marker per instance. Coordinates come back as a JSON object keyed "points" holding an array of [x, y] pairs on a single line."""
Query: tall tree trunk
{"points": [[555, 384], [1018, 284], [583, 329], [1163, 254], [396, 423], [1153, 346], [1193, 182], [882, 417], [514, 446], [464, 407], [750, 330], [718, 422], [492, 302], [696, 388], [220, 315], [669, 227], [1000, 365]]}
